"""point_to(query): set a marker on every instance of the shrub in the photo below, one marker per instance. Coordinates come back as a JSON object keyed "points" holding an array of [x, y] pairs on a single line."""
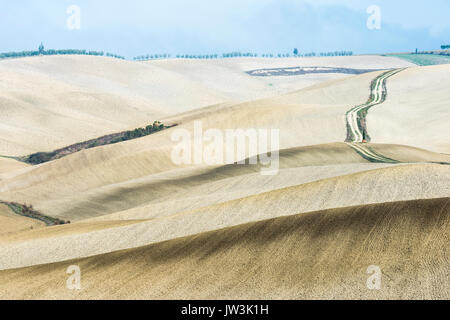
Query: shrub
{"points": [[40, 157]]}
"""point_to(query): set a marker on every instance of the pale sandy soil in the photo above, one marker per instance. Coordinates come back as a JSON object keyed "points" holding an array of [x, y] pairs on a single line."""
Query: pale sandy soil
{"points": [[246, 64], [297, 115], [150, 176], [398, 183], [225, 231], [416, 111], [58, 100], [317, 255], [7, 166], [11, 223], [24, 234]]}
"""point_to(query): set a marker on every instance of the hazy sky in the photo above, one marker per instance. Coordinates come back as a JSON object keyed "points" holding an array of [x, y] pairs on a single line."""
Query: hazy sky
{"points": [[136, 27]]}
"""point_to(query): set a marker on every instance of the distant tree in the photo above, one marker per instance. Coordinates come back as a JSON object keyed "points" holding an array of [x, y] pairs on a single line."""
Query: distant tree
{"points": [[295, 51], [41, 48]]}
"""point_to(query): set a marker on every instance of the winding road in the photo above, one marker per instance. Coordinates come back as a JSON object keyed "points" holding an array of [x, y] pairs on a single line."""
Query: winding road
{"points": [[357, 133], [369, 154]]}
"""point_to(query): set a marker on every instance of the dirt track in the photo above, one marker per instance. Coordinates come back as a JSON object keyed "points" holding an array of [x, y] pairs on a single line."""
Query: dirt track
{"points": [[357, 133], [356, 117]]}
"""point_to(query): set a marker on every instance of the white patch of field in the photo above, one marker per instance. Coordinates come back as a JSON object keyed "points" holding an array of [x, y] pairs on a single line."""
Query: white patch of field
{"points": [[416, 111], [53, 101]]}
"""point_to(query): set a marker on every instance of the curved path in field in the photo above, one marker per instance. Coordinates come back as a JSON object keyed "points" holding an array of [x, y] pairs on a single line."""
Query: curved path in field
{"points": [[369, 154], [356, 119]]}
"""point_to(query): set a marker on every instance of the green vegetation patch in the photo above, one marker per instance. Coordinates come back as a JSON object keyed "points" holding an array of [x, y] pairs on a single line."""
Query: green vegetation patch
{"points": [[29, 212], [423, 59], [41, 157], [42, 52]]}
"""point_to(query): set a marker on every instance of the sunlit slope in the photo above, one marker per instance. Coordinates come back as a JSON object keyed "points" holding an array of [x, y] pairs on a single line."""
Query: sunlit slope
{"points": [[322, 254], [398, 183], [417, 110], [137, 173], [53, 101], [231, 72], [296, 115], [49, 102], [8, 166], [31, 232], [183, 225], [10, 222], [248, 64], [84, 198], [184, 189]]}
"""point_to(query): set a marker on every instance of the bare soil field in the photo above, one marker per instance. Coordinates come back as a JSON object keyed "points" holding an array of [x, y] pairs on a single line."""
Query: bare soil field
{"points": [[316, 255], [143, 226]]}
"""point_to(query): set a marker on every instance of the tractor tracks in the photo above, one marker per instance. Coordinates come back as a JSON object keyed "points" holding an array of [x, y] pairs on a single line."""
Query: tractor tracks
{"points": [[356, 117], [369, 154], [357, 134]]}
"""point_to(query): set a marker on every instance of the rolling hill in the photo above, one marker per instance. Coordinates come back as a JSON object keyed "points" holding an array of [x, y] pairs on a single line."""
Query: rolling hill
{"points": [[144, 227]]}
